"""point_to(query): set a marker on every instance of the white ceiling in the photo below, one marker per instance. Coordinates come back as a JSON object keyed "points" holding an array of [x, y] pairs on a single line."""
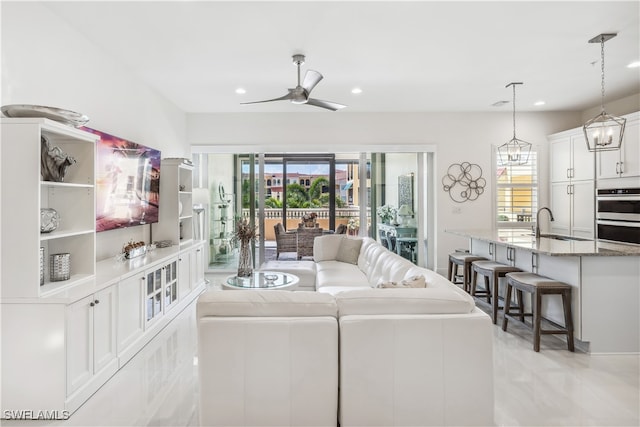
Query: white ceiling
{"points": [[406, 56]]}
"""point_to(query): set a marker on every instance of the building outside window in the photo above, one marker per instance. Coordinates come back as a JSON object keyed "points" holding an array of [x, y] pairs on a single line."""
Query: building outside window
{"points": [[516, 193]]}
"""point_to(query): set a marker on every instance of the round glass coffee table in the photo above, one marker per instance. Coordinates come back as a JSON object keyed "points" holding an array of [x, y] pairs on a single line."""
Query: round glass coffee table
{"points": [[262, 280]]}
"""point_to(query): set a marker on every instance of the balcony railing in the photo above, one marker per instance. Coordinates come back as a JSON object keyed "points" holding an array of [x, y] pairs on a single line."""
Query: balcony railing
{"points": [[298, 213]]}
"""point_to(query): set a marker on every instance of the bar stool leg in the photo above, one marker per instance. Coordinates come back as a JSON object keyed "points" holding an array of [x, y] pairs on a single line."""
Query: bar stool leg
{"points": [[474, 282], [487, 288], [450, 270], [536, 319], [465, 277], [520, 302], [494, 298], [568, 318], [507, 297]]}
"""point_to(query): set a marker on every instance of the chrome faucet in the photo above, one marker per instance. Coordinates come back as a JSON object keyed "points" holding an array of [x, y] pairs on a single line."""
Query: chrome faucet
{"points": [[538, 219]]}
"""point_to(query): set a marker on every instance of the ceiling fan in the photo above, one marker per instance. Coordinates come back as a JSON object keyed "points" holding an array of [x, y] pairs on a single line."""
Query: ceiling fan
{"points": [[300, 94]]}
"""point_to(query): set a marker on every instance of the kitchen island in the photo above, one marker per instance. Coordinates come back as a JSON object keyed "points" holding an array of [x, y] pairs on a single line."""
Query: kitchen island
{"points": [[605, 280]]}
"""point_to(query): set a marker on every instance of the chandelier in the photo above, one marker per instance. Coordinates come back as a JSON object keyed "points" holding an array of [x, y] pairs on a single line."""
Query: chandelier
{"points": [[516, 151], [604, 132]]}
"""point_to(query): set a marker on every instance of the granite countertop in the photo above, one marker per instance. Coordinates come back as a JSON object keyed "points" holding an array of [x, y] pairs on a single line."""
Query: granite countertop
{"points": [[524, 239]]}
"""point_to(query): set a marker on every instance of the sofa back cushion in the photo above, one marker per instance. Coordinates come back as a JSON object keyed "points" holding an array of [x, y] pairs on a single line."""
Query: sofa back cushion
{"points": [[403, 301], [349, 250], [325, 248], [265, 303]]}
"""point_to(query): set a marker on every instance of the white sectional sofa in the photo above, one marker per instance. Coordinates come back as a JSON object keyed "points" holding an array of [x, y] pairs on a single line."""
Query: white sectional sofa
{"points": [[407, 357]]}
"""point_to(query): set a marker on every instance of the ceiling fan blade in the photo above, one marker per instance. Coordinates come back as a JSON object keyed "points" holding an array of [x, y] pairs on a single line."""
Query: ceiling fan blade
{"points": [[333, 106], [311, 79], [282, 98]]}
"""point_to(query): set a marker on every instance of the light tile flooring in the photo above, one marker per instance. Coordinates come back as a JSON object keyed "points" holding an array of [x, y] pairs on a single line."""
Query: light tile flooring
{"points": [[554, 387]]}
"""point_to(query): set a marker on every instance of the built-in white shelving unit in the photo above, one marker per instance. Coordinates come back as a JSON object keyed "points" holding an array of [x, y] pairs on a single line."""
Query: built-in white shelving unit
{"points": [[71, 336], [176, 207], [24, 193]]}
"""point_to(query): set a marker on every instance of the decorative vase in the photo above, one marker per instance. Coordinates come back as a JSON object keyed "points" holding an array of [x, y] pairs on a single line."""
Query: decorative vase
{"points": [[49, 220], [245, 268]]}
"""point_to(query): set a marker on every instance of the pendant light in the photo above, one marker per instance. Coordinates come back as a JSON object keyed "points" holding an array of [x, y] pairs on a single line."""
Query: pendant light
{"points": [[604, 132], [516, 151]]}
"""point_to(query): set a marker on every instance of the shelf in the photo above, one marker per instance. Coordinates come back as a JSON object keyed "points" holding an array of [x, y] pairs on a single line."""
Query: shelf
{"points": [[185, 217], [61, 234], [64, 184], [51, 287]]}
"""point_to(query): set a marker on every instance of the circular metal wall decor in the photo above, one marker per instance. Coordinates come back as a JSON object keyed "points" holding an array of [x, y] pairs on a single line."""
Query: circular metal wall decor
{"points": [[464, 182]]}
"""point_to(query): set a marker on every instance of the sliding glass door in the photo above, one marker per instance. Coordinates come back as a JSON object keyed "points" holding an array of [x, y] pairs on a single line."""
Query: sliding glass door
{"points": [[343, 192]]}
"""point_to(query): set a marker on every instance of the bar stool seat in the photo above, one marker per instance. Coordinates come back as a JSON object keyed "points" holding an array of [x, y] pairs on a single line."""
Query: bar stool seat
{"points": [[464, 260], [493, 271], [538, 286]]}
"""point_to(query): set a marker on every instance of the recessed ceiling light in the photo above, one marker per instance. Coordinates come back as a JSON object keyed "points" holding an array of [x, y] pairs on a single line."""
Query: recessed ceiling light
{"points": [[635, 64], [241, 91], [539, 103], [356, 90]]}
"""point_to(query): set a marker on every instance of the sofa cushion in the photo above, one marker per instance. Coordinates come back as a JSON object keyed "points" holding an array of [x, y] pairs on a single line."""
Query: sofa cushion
{"points": [[349, 250], [403, 301], [336, 273], [325, 248], [265, 303]]}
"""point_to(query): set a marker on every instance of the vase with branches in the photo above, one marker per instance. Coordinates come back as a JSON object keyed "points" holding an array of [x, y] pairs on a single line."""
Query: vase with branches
{"points": [[244, 234]]}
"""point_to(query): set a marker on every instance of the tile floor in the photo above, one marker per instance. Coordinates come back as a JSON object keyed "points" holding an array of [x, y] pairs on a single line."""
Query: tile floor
{"points": [[158, 387]]}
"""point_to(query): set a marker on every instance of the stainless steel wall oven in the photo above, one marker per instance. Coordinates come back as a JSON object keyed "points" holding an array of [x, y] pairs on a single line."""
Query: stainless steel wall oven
{"points": [[618, 215]]}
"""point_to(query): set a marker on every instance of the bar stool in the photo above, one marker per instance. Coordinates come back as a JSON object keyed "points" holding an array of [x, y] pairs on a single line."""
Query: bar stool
{"points": [[538, 286], [464, 260], [494, 271]]}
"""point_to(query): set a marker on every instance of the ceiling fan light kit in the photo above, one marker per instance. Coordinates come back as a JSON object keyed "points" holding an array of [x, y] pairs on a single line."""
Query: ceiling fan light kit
{"points": [[515, 151], [300, 94], [604, 132]]}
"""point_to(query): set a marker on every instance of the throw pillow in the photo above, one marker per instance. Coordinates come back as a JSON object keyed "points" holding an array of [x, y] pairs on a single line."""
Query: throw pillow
{"points": [[411, 282], [414, 282], [386, 285], [349, 250]]}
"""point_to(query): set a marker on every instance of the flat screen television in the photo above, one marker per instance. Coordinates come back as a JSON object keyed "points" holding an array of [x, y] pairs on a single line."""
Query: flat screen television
{"points": [[127, 183]]}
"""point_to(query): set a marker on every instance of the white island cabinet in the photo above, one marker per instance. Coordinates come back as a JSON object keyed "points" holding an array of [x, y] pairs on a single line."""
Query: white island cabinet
{"points": [[605, 280]]}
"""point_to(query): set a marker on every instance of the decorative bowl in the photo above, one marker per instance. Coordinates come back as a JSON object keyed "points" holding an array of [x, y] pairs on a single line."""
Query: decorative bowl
{"points": [[58, 114], [270, 278]]}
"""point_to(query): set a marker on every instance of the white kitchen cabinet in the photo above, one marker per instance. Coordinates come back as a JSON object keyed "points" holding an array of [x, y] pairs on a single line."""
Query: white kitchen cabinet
{"points": [[570, 159], [176, 205], [572, 204], [572, 184], [91, 331], [626, 161]]}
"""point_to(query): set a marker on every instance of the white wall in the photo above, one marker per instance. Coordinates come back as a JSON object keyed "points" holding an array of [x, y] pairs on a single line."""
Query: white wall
{"points": [[455, 137], [46, 62]]}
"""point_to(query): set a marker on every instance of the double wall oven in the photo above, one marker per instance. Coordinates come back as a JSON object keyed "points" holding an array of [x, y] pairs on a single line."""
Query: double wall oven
{"points": [[618, 214]]}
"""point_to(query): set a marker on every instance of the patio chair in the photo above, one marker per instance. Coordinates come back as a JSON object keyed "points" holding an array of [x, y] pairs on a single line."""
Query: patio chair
{"points": [[286, 241], [342, 229], [306, 235]]}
